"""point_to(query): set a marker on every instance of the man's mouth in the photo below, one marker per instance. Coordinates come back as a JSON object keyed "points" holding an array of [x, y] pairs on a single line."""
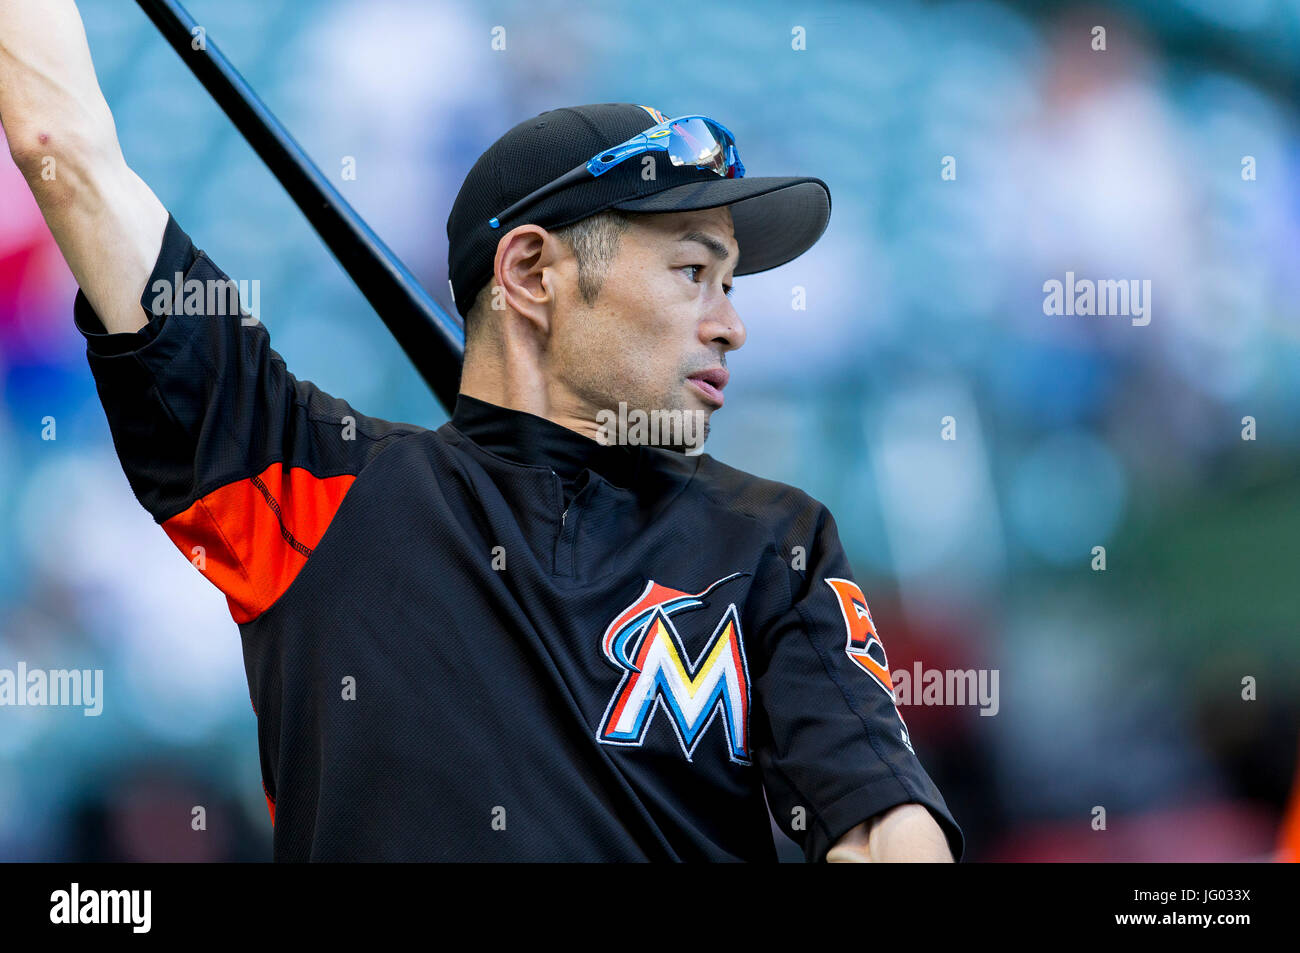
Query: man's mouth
{"points": [[710, 383]]}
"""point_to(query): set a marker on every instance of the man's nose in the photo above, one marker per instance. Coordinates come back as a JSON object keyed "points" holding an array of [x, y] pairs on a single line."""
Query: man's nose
{"points": [[724, 326]]}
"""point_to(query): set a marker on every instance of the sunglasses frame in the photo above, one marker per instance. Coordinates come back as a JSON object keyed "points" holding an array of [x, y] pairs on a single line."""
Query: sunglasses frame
{"points": [[649, 140]]}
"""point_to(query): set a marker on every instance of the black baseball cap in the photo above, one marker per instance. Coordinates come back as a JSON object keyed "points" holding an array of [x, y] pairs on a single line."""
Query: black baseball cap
{"points": [[776, 219]]}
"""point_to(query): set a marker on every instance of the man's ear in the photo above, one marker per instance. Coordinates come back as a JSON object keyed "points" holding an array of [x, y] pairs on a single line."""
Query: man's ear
{"points": [[522, 283]]}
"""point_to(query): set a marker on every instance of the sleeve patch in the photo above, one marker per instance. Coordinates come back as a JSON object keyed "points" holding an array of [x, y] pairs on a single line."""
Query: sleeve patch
{"points": [[863, 645]]}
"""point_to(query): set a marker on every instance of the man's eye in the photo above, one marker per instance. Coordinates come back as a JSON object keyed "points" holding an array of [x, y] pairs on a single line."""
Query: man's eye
{"points": [[696, 269]]}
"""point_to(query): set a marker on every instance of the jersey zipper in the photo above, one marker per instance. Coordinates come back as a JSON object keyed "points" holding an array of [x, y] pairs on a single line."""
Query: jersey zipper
{"points": [[565, 512], [564, 555]]}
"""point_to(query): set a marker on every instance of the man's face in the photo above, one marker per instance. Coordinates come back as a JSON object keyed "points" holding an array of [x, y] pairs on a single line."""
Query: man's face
{"points": [[658, 334]]}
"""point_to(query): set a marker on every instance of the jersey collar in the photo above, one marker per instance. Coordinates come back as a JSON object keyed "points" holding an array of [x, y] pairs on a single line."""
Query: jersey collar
{"points": [[530, 440]]}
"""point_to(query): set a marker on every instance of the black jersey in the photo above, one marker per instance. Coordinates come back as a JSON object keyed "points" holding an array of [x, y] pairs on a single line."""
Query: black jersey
{"points": [[501, 639]]}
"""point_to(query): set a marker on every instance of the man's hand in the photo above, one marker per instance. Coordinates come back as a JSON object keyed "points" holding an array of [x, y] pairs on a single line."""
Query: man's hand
{"points": [[906, 832], [107, 222]]}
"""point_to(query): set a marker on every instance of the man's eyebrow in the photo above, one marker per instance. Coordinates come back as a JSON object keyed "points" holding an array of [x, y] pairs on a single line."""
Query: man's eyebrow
{"points": [[718, 249]]}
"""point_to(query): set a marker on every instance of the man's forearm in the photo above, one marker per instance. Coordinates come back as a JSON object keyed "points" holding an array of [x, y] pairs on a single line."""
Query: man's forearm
{"points": [[48, 89], [907, 832], [61, 134]]}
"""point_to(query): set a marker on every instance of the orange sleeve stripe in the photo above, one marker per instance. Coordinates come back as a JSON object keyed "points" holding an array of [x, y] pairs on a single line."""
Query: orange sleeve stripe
{"points": [[257, 533]]}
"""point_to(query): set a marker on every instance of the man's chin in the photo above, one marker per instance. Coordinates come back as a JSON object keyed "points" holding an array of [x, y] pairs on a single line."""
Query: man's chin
{"points": [[679, 428]]}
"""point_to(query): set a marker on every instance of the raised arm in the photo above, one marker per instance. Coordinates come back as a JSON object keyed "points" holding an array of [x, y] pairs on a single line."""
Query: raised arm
{"points": [[242, 464], [108, 223]]}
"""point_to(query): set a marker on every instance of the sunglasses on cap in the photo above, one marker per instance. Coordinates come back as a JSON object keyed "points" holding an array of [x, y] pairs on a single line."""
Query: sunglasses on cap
{"points": [[688, 140]]}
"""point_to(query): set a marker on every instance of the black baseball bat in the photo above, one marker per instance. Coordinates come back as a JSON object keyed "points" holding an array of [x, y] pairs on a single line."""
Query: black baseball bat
{"points": [[431, 338]]}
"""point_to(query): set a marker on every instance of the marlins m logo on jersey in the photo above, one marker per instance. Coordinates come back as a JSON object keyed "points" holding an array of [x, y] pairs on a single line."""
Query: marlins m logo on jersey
{"points": [[644, 643]]}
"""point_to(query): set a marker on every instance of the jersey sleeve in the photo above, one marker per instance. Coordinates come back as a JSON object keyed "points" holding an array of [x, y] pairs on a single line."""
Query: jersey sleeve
{"points": [[241, 464], [832, 745]]}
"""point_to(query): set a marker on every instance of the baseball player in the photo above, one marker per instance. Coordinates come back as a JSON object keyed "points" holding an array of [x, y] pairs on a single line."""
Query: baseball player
{"points": [[532, 633]]}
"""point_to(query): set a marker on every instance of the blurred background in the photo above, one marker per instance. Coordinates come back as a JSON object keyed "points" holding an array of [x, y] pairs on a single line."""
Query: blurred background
{"points": [[1119, 688]]}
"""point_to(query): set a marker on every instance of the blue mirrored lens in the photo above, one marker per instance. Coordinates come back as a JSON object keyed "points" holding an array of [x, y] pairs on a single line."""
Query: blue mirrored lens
{"points": [[698, 142]]}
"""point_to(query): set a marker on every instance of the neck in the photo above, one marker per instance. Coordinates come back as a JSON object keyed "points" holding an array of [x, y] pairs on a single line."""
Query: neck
{"points": [[508, 369]]}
